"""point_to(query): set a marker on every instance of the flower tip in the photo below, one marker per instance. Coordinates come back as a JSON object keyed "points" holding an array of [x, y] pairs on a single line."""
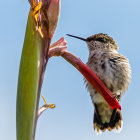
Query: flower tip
{"points": [[52, 106], [119, 107]]}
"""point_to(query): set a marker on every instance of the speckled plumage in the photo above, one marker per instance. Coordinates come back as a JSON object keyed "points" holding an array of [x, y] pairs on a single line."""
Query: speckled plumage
{"points": [[114, 70]]}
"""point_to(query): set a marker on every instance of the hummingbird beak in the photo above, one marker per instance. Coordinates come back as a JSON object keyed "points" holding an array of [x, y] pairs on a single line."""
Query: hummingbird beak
{"points": [[77, 37]]}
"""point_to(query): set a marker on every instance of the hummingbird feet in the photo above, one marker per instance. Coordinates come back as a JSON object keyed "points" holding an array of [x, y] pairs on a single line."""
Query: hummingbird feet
{"points": [[117, 95]]}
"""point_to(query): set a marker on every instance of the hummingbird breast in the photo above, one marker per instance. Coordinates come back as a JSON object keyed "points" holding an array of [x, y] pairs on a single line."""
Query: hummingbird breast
{"points": [[114, 70]]}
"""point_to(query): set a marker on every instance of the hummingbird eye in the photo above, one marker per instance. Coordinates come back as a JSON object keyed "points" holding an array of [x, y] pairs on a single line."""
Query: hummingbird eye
{"points": [[101, 39]]}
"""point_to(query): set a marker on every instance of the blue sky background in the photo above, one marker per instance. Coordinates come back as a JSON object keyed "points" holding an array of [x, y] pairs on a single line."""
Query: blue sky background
{"points": [[63, 85]]}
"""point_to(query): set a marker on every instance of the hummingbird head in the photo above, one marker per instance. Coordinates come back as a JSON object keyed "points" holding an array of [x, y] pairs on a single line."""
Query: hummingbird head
{"points": [[99, 42]]}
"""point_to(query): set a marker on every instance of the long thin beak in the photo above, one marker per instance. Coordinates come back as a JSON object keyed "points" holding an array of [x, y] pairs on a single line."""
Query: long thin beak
{"points": [[77, 37]]}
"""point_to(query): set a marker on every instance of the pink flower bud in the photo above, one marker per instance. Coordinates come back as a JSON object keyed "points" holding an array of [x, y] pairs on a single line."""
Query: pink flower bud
{"points": [[51, 10]]}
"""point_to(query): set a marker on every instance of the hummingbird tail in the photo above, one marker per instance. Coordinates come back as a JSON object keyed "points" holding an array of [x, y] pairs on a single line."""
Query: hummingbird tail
{"points": [[114, 124]]}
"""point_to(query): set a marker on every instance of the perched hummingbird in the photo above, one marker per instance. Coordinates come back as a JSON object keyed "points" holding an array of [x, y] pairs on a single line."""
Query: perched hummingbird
{"points": [[114, 70]]}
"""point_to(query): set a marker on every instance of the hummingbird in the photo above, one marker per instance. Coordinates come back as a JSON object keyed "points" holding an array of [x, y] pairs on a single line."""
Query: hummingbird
{"points": [[114, 70]]}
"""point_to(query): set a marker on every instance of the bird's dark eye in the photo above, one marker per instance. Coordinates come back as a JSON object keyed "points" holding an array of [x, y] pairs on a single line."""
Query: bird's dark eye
{"points": [[101, 39]]}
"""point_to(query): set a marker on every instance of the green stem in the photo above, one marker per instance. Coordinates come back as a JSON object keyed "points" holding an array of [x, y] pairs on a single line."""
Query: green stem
{"points": [[29, 80]]}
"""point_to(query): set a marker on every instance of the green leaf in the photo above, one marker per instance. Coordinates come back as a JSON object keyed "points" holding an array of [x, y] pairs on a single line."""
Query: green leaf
{"points": [[28, 82]]}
